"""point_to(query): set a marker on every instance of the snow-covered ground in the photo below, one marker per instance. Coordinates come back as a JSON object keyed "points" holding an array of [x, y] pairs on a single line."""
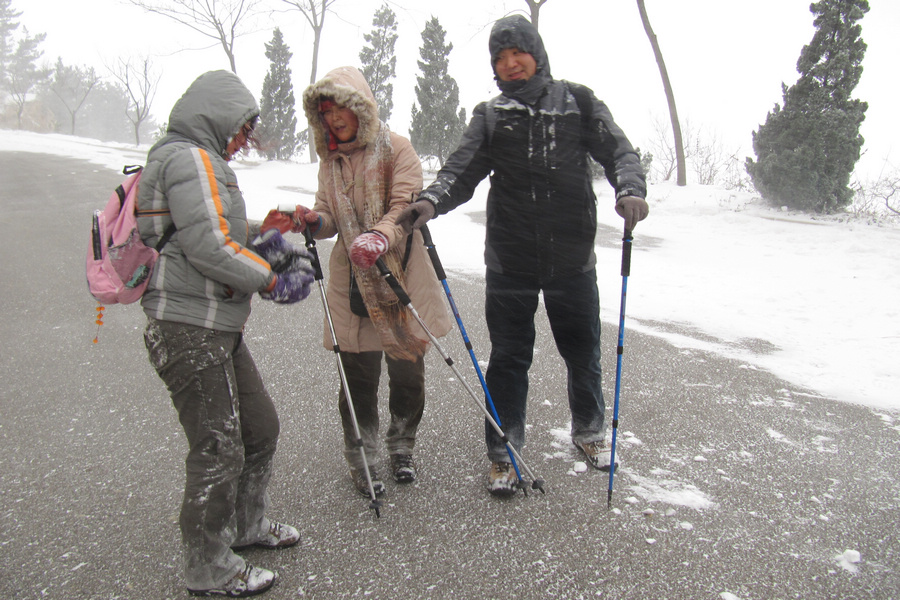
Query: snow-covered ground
{"points": [[814, 301]]}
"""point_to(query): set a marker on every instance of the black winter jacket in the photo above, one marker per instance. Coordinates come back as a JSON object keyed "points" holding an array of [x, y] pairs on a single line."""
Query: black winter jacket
{"points": [[541, 208]]}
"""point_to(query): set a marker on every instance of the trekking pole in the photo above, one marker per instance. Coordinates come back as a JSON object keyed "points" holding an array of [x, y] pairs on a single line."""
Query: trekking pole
{"points": [[620, 348], [537, 484], [375, 503], [442, 277]]}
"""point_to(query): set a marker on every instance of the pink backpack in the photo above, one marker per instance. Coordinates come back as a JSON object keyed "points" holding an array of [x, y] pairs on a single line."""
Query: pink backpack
{"points": [[118, 263]]}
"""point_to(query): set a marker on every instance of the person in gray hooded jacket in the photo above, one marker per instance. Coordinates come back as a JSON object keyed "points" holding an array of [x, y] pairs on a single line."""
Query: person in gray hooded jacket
{"points": [[197, 302], [534, 141]]}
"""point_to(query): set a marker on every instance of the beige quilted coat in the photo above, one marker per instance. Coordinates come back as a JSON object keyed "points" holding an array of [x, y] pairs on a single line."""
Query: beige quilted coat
{"points": [[348, 87]]}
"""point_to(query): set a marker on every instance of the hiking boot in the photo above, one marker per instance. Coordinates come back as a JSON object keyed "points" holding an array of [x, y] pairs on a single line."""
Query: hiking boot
{"points": [[502, 480], [403, 468], [278, 536], [248, 582], [359, 480], [598, 454]]}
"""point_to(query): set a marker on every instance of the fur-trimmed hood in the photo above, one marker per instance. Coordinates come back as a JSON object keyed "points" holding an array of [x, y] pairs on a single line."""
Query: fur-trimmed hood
{"points": [[348, 87]]}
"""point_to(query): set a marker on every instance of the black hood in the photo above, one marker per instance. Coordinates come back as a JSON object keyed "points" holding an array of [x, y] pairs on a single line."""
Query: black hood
{"points": [[517, 32]]}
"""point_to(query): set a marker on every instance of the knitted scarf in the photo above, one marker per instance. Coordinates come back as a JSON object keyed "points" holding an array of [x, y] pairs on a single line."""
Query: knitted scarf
{"points": [[390, 318]]}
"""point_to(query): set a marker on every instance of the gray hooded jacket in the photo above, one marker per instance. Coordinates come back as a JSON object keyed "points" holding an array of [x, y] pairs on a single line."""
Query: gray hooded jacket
{"points": [[205, 275]]}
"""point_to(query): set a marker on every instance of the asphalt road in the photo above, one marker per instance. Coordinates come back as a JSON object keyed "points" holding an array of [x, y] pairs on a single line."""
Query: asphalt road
{"points": [[732, 481]]}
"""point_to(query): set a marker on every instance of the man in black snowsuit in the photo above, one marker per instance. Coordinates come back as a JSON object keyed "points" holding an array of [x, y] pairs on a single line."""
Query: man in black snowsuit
{"points": [[534, 140]]}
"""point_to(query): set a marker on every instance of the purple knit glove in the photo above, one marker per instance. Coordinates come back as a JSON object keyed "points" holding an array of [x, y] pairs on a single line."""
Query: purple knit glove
{"points": [[290, 287], [281, 254], [291, 265]]}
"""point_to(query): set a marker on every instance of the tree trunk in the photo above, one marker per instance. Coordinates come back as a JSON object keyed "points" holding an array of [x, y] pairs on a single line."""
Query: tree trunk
{"points": [[670, 97], [535, 7], [317, 36]]}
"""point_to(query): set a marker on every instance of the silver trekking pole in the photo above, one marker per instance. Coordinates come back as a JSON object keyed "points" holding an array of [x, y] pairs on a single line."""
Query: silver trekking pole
{"points": [[403, 297], [442, 277], [375, 503]]}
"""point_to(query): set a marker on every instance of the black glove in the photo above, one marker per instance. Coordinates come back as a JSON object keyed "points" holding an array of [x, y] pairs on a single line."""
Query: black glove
{"points": [[415, 215]]}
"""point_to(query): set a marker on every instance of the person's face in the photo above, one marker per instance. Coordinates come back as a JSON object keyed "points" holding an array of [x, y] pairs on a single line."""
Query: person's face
{"points": [[240, 141], [342, 122], [515, 65]]}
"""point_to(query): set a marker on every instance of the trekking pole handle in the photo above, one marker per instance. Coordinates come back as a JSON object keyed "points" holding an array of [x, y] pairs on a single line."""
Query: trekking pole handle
{"points": [[311, 246], [432, 253], [626, 253], [392, 281]]}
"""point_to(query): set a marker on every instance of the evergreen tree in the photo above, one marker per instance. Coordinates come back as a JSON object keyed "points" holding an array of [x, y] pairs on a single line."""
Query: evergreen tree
{"points": [[8, 25], [807, 150], [278, 121], [21, 73], [436, 126], [379, 64]]}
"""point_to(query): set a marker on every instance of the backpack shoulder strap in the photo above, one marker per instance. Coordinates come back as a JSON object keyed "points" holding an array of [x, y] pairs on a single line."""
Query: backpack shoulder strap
{"points": [[583, 100], [170, 230], [585, 107], [166, 236]]}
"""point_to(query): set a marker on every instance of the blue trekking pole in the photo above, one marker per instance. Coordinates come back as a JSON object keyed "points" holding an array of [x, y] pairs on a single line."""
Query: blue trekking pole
{"points": [[442, 277], [404, 299], [620, 348]]}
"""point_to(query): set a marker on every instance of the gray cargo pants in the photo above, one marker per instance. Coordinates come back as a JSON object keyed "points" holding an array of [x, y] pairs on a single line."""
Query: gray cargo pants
{"points": [[232, 432]]}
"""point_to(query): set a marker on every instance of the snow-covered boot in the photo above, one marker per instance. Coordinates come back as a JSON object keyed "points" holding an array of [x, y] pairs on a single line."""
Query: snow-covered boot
{"points": [[403, 468], [359, 480], [597, 453], [502, 479], [248, 582], [279, 535]]}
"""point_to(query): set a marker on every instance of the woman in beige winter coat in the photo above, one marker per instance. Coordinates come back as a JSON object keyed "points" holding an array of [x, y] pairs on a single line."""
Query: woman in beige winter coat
{"points": [[367, 175]]}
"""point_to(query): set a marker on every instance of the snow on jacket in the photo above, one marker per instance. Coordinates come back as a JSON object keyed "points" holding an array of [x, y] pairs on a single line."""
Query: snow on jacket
{"points": [[348, 87], [541, 207], [205, 275]]}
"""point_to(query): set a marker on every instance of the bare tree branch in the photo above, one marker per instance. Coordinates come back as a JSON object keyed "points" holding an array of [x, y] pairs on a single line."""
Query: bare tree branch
{"points": [[535, 7], [72, 85], [219, 20], [140, 82]]}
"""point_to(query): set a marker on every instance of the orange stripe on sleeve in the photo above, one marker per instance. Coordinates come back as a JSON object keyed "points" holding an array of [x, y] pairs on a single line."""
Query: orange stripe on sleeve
{"points": [[223, 223], [214, 193]]}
